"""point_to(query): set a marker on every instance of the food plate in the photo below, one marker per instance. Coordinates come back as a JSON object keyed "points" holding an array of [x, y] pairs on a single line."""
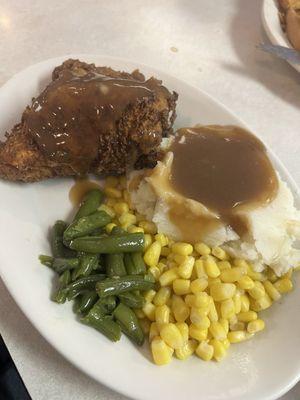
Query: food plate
{"points": [[272, 26], [264, 368]]}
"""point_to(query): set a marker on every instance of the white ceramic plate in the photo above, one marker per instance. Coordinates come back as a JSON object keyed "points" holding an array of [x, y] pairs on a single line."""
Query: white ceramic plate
{"points": [[263, 368], [272, 26]]}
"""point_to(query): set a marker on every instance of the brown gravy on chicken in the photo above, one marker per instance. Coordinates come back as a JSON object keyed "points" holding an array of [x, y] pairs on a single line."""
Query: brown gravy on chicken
{"points": [[65, 120], [225, 168]]}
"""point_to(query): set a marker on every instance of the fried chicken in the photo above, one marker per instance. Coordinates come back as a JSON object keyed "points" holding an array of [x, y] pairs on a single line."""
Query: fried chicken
{"points": [[89, 120]]}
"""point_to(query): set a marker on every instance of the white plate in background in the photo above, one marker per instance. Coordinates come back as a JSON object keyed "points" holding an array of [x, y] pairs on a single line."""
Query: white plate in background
{"points": [[261, 369]]}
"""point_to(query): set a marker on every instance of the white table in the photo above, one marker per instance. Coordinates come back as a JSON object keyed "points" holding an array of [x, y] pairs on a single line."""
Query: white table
{"points": [[216, 51]]}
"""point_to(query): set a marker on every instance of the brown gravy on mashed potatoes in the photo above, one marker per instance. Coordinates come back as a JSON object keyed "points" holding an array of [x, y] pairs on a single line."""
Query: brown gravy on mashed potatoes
{"points": [[225, 169]]}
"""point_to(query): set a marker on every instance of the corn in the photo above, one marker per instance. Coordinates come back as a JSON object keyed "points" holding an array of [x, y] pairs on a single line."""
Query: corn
{"points": [[121, 208], [223, 265], [247, 316], [139, 313], [161, 266], [152, 255], [112, 192], [186, 350], [256, 276], [199, 318], [217, 331], [149, 311], [111, 181], [222, 291], [162, 314], [148, 240], [180, 310], [181, 286], [155, 271], [127, 219], [237, 326], [184, 330], [199, 285], [201, 300], [168, 277], [161, 352], [272, 277], [109, 227], [165, 251], [211, 267], [211, 281], [213, 314], [261, 304], [184, 249], [135, 229], [246, 283], [149, 227], [185, 268], [162, 296], [288, 274], [231, 275], [145, 325], [196, 333], [149, 295], [171, 335], [219, 253], [238, 336], [239, 262], [271, 290], [219, 349], [110, 202], [237, 303], [256, 326], [226, 343], [258, 291], [233, 320], [202, 249], [284, 285], [227, 308], [199, 268], [162, 239], [245, 303], [205, 351], [107, 209], [127, 198], [225, 324], [178, 258]]}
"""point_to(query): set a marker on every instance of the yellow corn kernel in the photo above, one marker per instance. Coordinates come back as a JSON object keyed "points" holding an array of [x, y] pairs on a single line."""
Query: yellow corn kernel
{"points": [[261, 304], [165, 251], [181, 286], [186, 350], [227, 308], [211, 267], [219, 349], [196, 333], [256, 276], [199, 285], [199, 318], [237, 303], [162, 296], [271, 290], [256, 326], [139, 313], [202, 300], [185, 268], [145, 325], [127, 219], [258, 290], [246, 283], [184, 330], [225, 324], [168, 277], [113, 192], [238, 336], [161, 352], [109, 202], [172, 319], [222, 291], [161, 266], [237, 326], [245, 303], [190, 300], [162, 239], [109, 227], [223, 265], [226, 343], [199, 268], [155, 271], [152, 255], [162, 314], [179, 309], [148, 226], [247, 316], [184, 249], [232, 275], [212, 281], [205, 351], [272, 277], [111, 181], [107, 209], [241, 263], [148, 241], [219, 253], [233, 320], [171, 335], [178, 258], [121, 207], [149, 311], [139, 217], [284, 285], [149, 295], [213, 314], [217, 331], [288, 274], [202, 249], [135, 229]]}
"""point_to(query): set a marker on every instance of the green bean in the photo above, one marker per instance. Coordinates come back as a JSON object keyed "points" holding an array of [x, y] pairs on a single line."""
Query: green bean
{"points": [[129, 324], [132, 300], [63, 264], [87, 301], [85, 225], [83, 284], [115, 265], [103, 324], [87, 263], [46, 260], [127, 243], [57, 246], [106, 305], [61, 294], [134, 263], [123, 284], [117, 230], [149, 277], [65, 279], [92, 201], [130, 268]]}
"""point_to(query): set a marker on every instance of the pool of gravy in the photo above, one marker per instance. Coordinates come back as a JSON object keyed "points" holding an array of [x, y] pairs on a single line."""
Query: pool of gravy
{"points": [[225, 168]]}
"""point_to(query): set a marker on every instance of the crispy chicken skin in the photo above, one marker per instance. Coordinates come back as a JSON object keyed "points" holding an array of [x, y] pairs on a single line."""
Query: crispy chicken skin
{"points": [[128, 136]]}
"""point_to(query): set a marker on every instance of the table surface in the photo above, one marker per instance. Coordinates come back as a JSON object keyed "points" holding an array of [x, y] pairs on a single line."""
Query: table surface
{"points": [[215, 52]]}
